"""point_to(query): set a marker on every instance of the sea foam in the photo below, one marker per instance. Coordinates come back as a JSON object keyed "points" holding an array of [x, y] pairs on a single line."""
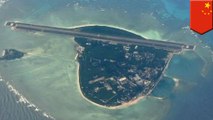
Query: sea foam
{"points": [[23, 100], [2, 2]]}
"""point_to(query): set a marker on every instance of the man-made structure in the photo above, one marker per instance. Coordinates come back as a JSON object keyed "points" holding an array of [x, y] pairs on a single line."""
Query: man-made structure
{"points": [[116, 67], [114, 75], [170, 46]]}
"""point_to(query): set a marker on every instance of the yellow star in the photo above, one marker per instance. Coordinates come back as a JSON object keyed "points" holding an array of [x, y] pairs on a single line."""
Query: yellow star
{"points": [[207, 5]]}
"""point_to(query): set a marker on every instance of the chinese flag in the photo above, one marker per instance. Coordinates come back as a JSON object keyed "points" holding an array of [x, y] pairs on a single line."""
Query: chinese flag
{"points": [[201, 15]]}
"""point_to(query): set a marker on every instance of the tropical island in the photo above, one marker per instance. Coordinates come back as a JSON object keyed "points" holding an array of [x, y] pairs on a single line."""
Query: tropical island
{"points": [[116, 67], [113, 75]]}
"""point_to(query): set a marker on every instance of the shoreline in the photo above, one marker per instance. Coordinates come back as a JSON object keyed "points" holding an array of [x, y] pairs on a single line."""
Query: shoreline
{"points": [[106, 25], [124, 105], [170, 55], [98, 24]]}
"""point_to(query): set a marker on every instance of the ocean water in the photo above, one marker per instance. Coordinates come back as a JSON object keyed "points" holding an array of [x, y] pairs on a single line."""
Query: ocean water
{"points": [[12, 108], [45, 82]]}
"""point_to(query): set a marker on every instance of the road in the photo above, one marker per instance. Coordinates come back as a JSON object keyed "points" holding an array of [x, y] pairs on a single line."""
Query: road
{"points": [[170, 46]]}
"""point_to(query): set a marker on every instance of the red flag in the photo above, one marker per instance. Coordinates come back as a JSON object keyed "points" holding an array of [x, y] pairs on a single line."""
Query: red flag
{"points": [[201, 15]]}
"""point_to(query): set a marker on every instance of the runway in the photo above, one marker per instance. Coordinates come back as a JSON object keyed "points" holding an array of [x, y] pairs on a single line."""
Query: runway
{"points": [[170, 46]]}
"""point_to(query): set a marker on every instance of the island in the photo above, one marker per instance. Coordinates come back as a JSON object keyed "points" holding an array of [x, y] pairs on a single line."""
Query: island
{"points": [[116, 67], [113, 75], [11, 54]]}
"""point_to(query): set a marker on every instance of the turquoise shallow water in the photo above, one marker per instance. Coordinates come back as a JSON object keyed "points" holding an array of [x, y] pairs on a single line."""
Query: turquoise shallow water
{"points": [[47, 78]]}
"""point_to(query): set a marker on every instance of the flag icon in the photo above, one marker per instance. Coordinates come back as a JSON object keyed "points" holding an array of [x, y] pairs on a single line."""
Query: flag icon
{"points": [[201, 15]]}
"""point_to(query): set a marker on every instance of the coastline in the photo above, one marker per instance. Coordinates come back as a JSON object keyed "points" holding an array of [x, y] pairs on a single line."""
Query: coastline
{"points": [[123, 105], [107, 25], [163, 72]]}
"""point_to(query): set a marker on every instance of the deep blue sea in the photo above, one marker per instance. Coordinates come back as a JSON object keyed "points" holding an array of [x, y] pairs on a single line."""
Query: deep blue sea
{"points": [[43, 85]]}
